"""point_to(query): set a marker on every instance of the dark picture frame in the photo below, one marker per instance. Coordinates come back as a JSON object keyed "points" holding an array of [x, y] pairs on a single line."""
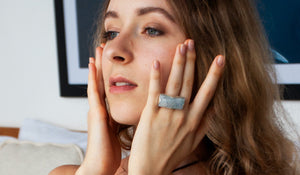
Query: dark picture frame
{"points": [[281, 20], [73, 81], [74, 29]]}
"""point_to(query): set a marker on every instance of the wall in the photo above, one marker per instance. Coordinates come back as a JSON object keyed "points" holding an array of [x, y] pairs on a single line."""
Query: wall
{"points": [[29, 69]]}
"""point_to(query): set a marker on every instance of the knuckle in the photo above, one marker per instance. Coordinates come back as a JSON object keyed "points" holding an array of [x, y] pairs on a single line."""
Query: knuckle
{"points": [[91, 90], [94, 89], [193, 126], [155, 76], [208, 93], [192, 57], [180, 61], [88, 92], [189, 82], [216, 73], [180, 121], [153, 93], [177, 85]]}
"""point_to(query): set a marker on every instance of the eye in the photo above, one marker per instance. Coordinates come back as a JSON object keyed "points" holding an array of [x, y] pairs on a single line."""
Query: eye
{"points": [[110, 35], [153, 32]]}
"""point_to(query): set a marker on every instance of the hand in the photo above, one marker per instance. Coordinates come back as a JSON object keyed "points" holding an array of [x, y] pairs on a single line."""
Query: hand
{"points": [[103, 154], [164, 137]]}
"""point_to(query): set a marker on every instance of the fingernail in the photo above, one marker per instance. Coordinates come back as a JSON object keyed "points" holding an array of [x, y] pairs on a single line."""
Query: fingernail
{"points": [[156, 65], [220, 61], [92, 60], [183, 49], [191, 45]]}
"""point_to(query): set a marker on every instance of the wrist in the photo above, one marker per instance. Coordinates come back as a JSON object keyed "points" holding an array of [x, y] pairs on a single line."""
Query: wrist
{"points": [[146, 167]]}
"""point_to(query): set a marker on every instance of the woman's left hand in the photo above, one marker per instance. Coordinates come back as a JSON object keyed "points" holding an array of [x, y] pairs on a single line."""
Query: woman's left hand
{"points": [[164, 137]]}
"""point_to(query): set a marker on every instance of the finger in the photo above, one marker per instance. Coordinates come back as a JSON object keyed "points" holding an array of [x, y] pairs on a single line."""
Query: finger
{"points": [[154, 85], [189, 71], [97, 111], [200, 132], [207, 89], [92, 60], [93, 94], [175, 79], [99, 51]]}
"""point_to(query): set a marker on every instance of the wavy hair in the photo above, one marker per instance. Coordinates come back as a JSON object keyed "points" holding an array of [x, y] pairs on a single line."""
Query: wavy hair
{"points": [[246, 120]]}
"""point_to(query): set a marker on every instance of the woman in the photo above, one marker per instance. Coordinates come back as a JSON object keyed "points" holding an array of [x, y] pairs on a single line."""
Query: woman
{"points": [[223, 120]]}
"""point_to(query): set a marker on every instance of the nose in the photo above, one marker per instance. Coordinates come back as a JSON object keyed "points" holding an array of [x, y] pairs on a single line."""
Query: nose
{"points": [[119, 50]]}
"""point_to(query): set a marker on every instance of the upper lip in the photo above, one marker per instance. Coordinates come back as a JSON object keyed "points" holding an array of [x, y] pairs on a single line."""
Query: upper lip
{"points": [[114, 80]]}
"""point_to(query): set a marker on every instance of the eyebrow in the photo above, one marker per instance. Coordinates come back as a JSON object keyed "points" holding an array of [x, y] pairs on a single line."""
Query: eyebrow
{"points": [[147, 10], [141, 12], [111, 14]]}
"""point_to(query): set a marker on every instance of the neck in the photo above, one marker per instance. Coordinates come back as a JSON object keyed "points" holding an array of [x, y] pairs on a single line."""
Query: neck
{"points": [[195, 163], [186, 166], [193, 168]]}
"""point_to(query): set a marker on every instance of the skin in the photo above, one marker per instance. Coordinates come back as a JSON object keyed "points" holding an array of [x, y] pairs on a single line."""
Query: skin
{"points": [[141, 39], [155, 63]]}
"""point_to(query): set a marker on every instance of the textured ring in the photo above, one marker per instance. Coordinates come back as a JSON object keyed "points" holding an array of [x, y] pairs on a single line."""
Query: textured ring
{"points": [[171, 102]]}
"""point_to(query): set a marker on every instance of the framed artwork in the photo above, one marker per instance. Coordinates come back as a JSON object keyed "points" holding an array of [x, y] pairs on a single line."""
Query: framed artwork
{"points": [[281, 20], [74, 25], [74, 29]]}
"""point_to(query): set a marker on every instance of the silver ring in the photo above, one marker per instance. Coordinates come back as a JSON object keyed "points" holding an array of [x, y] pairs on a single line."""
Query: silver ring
{"points": [[171, 102]]}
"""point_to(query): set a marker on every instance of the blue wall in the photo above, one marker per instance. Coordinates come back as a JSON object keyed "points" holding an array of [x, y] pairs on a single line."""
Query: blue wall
{"points": [[282, 24]]}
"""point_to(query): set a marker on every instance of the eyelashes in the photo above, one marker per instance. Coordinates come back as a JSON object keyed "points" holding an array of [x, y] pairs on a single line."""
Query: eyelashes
{"points": [[153, 32], [110, 35], [148, 31]]}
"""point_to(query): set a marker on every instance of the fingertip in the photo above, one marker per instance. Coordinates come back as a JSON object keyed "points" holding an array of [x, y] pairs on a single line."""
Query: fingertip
{"points": [[183, 49], [154, 84], [186, 41], [156, 65], [220, 60], [155, 73], [191, 45], [92, 60], [90, 69], [99, 50]]}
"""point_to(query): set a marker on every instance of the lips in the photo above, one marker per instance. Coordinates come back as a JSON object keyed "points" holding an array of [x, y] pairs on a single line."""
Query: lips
{"points": [[120, 85]]}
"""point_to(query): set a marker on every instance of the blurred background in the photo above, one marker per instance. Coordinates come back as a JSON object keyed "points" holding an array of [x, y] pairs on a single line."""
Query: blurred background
{"points": [[29, 69]]}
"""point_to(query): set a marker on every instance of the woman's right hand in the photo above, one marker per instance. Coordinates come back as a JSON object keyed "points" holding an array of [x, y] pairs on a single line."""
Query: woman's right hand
{"points": [[103, 154]]}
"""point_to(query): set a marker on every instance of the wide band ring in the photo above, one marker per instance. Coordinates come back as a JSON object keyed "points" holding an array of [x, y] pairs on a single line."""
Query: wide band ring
{"points": [[171, 102]]}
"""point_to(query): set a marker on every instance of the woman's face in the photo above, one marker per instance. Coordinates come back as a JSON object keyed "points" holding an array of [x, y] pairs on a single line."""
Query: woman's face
{"points": [[137, 33]]}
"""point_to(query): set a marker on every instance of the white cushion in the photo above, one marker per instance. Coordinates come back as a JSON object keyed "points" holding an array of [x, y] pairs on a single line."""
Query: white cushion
{"points": [[29, 158], [3, 138], [42, 132]]}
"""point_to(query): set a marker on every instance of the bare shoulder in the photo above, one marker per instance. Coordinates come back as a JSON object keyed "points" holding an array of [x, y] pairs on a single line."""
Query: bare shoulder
{"points": [[65, 170], [71, 169]]}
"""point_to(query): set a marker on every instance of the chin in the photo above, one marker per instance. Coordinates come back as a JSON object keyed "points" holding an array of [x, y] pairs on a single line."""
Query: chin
{"points": [[125, 115]]}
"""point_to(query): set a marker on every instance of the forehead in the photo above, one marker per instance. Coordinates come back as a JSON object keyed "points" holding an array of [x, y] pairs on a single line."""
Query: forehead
{"points": [[128, 6]]}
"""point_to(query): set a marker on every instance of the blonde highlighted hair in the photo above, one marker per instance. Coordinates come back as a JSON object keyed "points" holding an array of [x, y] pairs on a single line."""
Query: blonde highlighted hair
{"points": [[246, 128]]}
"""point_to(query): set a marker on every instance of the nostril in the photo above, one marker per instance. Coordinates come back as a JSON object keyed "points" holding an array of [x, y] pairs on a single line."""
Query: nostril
{"points": [[118, 58]]}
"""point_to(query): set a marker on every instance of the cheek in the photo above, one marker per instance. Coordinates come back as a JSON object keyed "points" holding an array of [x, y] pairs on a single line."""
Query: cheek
{"points": [[164, 55], [106, 70]]}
